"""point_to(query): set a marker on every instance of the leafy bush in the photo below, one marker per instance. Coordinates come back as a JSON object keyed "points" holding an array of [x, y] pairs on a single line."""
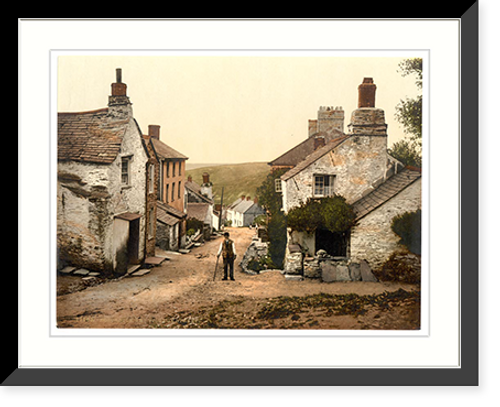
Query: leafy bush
{"points": [[402, 267], [332, 213], [408, 226]]}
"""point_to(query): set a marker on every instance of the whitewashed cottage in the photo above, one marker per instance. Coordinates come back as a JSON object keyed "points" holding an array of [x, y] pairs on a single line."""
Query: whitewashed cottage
{"points": [[106, 188]]}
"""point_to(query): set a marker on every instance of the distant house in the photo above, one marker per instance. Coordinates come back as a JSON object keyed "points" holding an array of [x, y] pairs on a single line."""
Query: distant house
{"points": [[200, 204], [171, 219], [106, 196], [358, 167], [243, 211]]}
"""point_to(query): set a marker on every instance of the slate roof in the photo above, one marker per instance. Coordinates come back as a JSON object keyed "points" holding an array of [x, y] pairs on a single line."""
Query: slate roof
{"points": [[92, 136], [247, 206], [165, 151], [167, 214], [195, 189], [296, 154], [197, 210], [315, 155], [390, 188]]}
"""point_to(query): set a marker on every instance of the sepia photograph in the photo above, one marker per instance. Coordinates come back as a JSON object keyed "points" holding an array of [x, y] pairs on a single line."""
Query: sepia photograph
{"points": [[240, 192]]}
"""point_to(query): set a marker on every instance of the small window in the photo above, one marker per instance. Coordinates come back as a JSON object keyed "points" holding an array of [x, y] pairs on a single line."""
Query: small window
{"points": [[126, 170], [179, 190], [168, 169], [323, 185], [151, 178], [173, 192], [277, 185], [167, 195]]}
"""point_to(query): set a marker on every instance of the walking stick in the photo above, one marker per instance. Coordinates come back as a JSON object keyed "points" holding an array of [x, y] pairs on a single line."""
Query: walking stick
{"points": [[215, 271]]}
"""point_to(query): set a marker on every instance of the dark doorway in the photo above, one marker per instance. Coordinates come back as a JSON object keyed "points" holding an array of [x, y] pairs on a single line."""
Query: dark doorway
{"points": [[133, 241], [335, 244]]}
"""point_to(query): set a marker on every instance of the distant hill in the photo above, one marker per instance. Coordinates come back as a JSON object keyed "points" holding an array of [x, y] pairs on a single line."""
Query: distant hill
{"points": [[237, 179]]}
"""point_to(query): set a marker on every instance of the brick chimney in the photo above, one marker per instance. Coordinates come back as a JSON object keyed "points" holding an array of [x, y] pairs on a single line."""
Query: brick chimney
{"points": [[366, 93], [190, 178], [154, 131], [119, 103], [206, 187], [256, 200]]}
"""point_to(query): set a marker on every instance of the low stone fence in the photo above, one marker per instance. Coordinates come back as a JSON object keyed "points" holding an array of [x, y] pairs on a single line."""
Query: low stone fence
{"points": [[256, 251], [327, 268]]}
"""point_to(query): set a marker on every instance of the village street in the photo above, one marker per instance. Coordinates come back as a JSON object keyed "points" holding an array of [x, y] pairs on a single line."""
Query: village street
{"points": [[181, 293]]}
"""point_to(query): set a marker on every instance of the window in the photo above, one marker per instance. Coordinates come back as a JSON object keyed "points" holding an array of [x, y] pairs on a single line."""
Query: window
{"points": [[151, 178], [173, 169], [179, 191], [126, 170], [323, 185], [173, 192], [277, 185], [167, 195], [160, 182], [168, 169]]}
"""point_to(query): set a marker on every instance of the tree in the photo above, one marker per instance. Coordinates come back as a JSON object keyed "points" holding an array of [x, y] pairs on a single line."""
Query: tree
{"points": [[409, 111], [272, 201], [406, 152]]}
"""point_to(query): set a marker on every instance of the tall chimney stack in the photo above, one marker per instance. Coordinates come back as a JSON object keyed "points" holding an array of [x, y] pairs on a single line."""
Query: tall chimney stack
{"points": [[366, 93], [154, 131], [118, 88], [118, 102]]}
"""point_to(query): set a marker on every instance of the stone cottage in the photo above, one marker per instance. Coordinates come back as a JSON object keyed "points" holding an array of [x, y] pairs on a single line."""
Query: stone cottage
{"points": [[171, 205], [106, 197], [358, 167]]}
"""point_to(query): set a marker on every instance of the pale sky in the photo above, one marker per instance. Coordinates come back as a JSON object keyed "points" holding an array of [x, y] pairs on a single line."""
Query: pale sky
{"points": [[231, 109]]}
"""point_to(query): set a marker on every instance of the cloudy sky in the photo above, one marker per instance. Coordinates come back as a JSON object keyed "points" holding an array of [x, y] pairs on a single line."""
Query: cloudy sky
{"points": [[231, 109]]}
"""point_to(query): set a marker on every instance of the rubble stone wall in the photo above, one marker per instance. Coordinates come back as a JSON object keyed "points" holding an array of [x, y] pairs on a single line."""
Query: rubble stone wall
{"points": [[372, 238]]}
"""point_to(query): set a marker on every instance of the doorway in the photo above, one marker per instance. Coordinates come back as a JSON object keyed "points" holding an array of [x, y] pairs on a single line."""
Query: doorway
{"points": [[335, 244], [133, 242]]}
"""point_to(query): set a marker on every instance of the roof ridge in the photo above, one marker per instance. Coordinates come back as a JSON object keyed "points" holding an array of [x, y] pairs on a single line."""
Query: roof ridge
{"points": [[314, 156], [101, 110]]}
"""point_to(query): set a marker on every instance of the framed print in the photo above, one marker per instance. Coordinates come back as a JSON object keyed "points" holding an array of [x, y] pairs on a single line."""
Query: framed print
{"points": [[278, 206]]}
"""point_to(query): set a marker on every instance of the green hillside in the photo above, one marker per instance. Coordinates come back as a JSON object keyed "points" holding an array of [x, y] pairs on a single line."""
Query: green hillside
{"points": [[237, 179]]}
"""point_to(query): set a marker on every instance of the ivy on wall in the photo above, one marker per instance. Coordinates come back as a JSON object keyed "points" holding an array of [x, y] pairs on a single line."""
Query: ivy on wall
{"points": [[331, 213]]}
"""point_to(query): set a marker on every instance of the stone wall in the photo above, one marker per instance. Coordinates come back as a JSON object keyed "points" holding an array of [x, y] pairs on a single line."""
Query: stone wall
{"points": [[327, 268], [89, 196], [357, 164], [257, 250], [372, 238]]}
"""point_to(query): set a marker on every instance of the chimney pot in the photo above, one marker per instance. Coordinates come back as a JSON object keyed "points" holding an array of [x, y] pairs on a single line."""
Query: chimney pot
{"points": [[118, 75], [190, 178], [206, 178], [154, 131], [366, 93]]}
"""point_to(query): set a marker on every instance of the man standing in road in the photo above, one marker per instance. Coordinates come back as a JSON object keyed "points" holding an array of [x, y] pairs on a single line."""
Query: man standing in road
{"points": [[228, 255]]}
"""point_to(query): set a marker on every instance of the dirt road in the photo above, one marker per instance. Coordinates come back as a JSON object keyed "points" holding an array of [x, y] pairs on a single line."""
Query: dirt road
{"points": [[180, 293]]}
